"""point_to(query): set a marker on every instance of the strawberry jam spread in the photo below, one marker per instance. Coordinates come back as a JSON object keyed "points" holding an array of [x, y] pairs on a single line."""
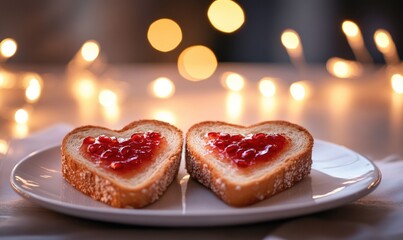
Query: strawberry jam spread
{"points": [[247, 150], [123, 154]]}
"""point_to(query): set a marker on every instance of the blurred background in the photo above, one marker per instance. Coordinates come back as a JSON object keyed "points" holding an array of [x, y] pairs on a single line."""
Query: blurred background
{"points": [[108, 62], [51, 32]]}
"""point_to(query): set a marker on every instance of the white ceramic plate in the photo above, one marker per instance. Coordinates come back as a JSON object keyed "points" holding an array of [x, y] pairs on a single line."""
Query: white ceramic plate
{"points": [[339, 176]]}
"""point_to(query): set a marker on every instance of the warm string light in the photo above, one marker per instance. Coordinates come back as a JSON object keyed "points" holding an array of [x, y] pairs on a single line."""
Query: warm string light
{"points": [[397, 83], [3, 147], [107, 98], [8, 47], [356, 42], [33, 87], [164, 35], [342, 68], [90, 51], [268, 102], [88, 89], [387, 47], [84, 83], [226, 15], [233, 81], [21, 116], [31, 82], [197, 63], [292, 43], [300, 90], [86, 56], [162, 87], [267, 87]]}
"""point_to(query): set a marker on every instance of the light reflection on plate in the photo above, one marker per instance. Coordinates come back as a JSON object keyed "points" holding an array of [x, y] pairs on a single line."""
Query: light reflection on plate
{"points": [[339, 176]]}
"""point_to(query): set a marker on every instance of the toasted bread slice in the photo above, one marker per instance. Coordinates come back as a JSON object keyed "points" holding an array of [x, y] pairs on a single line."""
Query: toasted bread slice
{"points": [[244, 185], [135, 188]]}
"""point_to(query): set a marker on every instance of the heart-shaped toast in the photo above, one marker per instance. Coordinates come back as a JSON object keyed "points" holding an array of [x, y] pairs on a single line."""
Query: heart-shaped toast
{"points": [[244, 165], [131, 167]]}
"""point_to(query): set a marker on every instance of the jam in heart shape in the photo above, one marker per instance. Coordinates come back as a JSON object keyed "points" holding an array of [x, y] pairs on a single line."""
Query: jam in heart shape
{"points": [[122, 153], [247, 150]]}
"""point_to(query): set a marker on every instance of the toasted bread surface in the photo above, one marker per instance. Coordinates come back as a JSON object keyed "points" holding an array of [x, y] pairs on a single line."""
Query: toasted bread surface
{"points": [[239, 187], [140, 190]]}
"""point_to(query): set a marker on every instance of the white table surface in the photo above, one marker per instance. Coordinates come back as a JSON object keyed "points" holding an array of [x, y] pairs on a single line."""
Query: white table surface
{"points": [[363, 114]]}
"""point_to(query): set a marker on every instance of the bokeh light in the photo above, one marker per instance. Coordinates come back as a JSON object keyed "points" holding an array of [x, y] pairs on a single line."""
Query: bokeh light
{"points": [[267, 87], [107, 98], [21, 116], [300, 90], [382, 39], [90, 50], [397, 83], [226, 15], [162, 87], [85, 87], [33, 87], [342, 68], [290, 39], [197, 63], [3, 147], [164, 35], [233, 81], [8, 47], [384, 43], [350, 28]]}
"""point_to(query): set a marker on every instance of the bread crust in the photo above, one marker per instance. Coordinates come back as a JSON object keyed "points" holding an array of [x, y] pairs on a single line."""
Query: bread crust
{"points": [[291, 170], [104, 188]]}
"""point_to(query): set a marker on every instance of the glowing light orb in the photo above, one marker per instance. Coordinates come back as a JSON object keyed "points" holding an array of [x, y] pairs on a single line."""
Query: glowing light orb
{"points": [[164, 35], [197, 63], [21, 116], [382, 39], [163, 87], [33, 88], [226, 15], [290, 39], [8, 47], [233, 81], [267, 87], [90, 50], [107, 98], [350, 28], [397, 83], [3, 147], [299, 90]]}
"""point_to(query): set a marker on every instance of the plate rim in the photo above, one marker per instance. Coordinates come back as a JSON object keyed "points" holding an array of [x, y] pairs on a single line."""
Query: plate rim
{"points": [[301, 208]]}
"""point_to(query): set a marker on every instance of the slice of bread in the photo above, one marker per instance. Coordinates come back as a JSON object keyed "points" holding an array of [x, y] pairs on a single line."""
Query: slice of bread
{"points": [[242, 186], [142, 187]]}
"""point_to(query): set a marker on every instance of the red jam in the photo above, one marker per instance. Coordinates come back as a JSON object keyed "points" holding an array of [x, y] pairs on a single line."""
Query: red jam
{"points": [[123, 154], [248, 150]]}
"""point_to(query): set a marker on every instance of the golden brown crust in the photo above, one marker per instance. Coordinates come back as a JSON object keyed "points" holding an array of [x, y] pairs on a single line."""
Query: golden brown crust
{"points": [[293, 170], [105, 189]]}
